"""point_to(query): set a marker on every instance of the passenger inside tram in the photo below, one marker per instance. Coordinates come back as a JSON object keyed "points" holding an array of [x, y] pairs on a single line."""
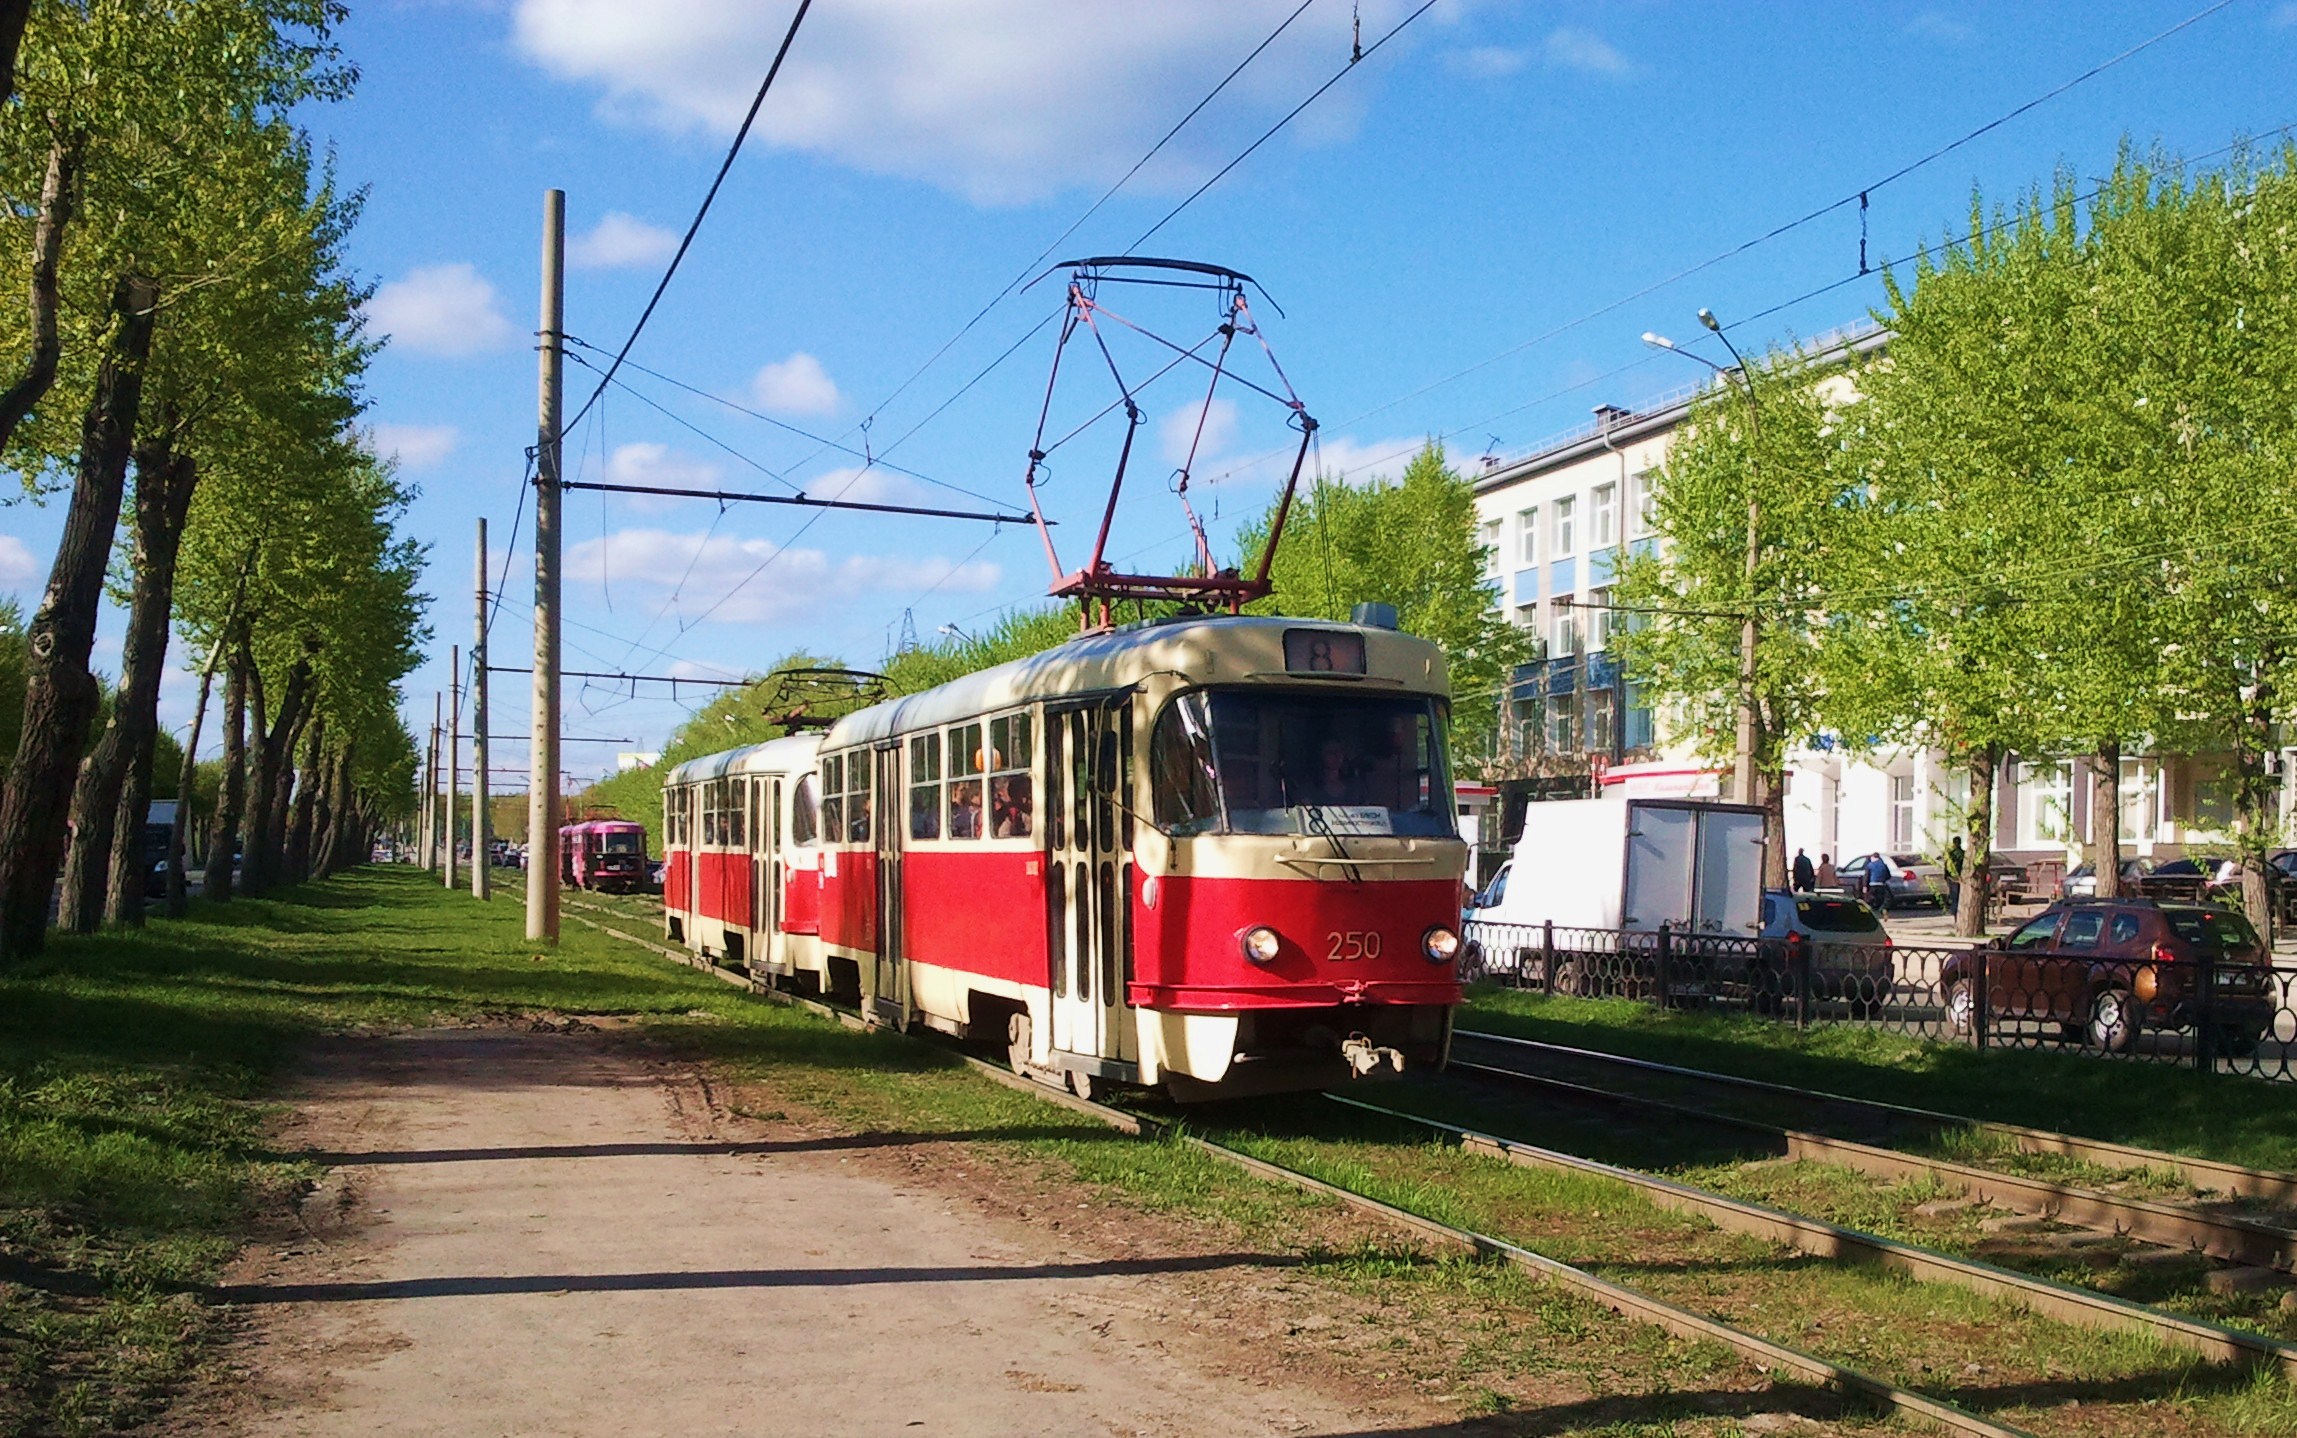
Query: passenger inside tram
{"points": [[1009, 806], [965, 809]]}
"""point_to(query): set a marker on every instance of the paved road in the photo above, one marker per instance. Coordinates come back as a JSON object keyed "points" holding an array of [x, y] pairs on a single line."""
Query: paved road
{"points": [[544, 1234]]}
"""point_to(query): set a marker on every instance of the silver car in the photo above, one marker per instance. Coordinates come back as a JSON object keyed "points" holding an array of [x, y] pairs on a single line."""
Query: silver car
{"points": [[1851, 956]]}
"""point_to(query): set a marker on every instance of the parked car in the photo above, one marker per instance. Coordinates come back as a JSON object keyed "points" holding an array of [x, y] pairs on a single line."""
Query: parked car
{"points": [[1913, 879], [1850, 954], [2081, 881], [2104, 970]]}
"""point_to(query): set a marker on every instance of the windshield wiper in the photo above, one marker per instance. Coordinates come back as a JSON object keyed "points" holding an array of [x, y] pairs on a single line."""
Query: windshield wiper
{"points": [[1319, 824]]}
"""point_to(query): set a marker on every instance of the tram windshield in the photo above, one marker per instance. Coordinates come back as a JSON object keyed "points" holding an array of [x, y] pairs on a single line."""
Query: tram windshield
{"points": [[621, 841], [1254, 762]]}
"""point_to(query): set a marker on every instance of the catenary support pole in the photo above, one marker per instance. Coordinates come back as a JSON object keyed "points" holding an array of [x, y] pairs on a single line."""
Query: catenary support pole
{"points": [[454, 758], [542, 802], [482, 862]]}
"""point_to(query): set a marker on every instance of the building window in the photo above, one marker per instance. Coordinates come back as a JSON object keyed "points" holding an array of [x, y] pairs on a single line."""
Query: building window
{"points": [[1603, 512], [1637, 732], [2140, 800], [1559, 727], [1490, 539], [2212, 805], [1527, 535], [1642, 490], [1527, 615], [2045, 804], [1530, 718], [1566, 539], [1901, 813], [1564, 640], [1600, 712], [1598, 619]]}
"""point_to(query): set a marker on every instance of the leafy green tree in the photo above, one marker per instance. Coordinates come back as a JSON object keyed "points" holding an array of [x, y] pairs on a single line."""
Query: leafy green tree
{"points": [[1687, 599], [1410, 542]]}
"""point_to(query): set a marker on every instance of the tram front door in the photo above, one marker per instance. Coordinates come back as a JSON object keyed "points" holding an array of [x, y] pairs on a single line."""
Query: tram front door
{"points": [[889, 990], [1088, 876]]}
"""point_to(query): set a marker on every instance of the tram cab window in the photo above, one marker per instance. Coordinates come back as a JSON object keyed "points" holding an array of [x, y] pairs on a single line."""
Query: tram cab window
{"points": [[833, 798], [967, 763], [803, 823], [1245, 762], [1012, 792], [621, 841], [925, 786]]}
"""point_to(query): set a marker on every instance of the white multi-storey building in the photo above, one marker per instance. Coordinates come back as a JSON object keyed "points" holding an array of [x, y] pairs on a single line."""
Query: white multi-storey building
{"points": [[1560, 519]]}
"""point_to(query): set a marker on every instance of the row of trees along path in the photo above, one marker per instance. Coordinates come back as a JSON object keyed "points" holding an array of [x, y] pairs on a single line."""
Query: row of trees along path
{"points": [[2052, 517], [189, 319]]}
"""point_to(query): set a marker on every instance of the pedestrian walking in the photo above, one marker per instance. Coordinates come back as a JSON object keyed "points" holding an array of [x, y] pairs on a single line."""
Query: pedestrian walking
{"points": [[1828, 876], [1956, 856], [1878, 883], [1806, 877]]}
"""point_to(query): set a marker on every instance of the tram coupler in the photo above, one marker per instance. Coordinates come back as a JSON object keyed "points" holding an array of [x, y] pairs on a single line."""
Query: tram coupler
{"points": [[1365, 1058]]}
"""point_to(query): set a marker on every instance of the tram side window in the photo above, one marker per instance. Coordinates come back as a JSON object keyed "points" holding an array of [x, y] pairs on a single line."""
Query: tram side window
{"points": [[833, 798], [738, 812], [857, 771], [967, 762], [1012, 792], [925, 786], [1181, 771], [709, 813], [803, 824]]}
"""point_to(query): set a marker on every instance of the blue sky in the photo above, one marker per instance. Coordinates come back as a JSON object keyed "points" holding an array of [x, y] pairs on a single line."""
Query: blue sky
{"points": [[1497, 171]]}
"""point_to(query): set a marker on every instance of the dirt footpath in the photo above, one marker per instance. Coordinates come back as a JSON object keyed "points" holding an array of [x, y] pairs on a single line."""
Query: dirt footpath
{"points": [[545, 1233]]}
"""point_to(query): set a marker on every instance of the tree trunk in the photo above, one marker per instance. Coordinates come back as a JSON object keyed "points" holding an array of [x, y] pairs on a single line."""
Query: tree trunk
{"points": [[13, 14], [2106, 817], [231, 779], [273, 772], [57, 201], [1977, 874], [178, 880], [308, 787], [104, 870], [2253, 795], [59, 692]]}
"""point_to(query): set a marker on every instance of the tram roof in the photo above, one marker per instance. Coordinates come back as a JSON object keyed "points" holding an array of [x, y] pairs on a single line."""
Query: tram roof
{"points": [[1207, 648], [790, 754]]}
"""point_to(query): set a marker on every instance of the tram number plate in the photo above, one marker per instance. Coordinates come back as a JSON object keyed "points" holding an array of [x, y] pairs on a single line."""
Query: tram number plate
{"points": [[1352, 944]]}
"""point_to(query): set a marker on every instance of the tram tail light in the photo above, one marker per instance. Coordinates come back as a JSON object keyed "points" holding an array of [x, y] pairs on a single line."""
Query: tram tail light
{"points": [[1260, 944], [1440, 945]]}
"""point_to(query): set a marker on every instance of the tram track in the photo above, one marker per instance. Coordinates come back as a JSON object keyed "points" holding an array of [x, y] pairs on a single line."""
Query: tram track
{"points": [[2267, 1185], [1623, 1298]]}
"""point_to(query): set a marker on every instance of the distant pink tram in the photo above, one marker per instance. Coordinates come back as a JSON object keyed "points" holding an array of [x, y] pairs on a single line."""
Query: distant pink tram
{"points": [[608, 855]]}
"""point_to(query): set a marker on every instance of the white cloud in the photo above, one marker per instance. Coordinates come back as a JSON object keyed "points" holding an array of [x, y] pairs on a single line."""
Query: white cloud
{"points": [[1490, 62], [1352, 461], [17, 566], [658, 466], [1570, 48], [1945, 29], [865, 486], [774, 584], [414, 446], [797, 385], [1178, 429], [620, 241], [1001, 101], [447, 310]]}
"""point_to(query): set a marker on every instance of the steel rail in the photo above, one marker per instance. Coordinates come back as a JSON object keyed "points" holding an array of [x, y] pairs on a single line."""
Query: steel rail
{"points": [[1821, 1239], [2223, 1236], [1621, 1299], [2200, 1172]]}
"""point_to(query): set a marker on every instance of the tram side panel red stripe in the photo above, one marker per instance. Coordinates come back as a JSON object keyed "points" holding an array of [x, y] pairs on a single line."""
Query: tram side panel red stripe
{"points": [[675, 878], [801, 901], [982, 912], [849, 902]]}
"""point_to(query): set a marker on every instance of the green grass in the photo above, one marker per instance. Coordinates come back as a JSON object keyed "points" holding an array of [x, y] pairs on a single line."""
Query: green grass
{"points": [[136, 1070], [2158, 1106]]}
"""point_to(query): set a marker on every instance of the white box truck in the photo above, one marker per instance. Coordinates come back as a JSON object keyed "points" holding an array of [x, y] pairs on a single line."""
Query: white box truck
{"points": [[1609, 875]]}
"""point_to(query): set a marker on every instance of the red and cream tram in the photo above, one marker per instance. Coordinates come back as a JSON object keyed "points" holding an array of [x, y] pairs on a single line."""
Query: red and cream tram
{"points": [[741, 881], [1215, 854]]}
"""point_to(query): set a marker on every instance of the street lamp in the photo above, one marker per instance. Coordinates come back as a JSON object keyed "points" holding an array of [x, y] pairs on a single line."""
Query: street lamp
{"points": [[1743, 769], [955, 633]]}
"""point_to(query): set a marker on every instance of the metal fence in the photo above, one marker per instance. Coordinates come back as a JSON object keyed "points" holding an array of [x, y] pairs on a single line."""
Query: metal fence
{"points": [[2209, 1013]]}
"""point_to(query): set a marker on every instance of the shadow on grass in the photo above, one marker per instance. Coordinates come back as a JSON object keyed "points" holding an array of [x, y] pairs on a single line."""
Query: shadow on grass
{"points": [[836, 1143]]}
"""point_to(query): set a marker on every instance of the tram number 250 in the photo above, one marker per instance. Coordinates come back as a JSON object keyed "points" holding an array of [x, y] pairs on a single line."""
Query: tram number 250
{"points": [[1353, 944]]}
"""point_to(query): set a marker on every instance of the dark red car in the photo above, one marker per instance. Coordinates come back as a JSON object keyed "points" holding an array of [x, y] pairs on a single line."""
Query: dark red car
{"points": [[2105, 969]]}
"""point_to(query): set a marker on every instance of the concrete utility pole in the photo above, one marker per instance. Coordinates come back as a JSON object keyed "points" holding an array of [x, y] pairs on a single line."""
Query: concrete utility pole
{"points": [[542, 803], [482, 861], [454, 754], [431, 790]]}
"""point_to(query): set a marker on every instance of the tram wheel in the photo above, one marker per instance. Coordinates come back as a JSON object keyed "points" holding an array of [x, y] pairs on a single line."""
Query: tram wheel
{"points": [[1082, 1085]]}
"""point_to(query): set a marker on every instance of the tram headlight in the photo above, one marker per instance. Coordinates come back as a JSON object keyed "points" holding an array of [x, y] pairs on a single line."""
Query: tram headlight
{"points": [[1260, 944], [1440, 944]]}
